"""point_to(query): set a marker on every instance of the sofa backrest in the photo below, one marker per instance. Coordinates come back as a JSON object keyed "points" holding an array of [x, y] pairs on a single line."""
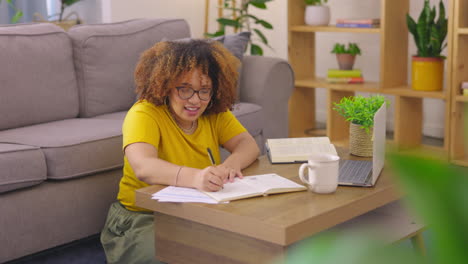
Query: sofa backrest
{"points": [[106, 56], [37, 76]]}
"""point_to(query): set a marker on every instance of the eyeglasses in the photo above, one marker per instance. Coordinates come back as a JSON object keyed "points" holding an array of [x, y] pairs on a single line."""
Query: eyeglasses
{"points": [[186, 93]]}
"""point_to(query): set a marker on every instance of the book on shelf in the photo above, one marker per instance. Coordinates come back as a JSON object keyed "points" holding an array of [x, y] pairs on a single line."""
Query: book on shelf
{"points": [[297, 150], [255, 185], [332, 73], [354, 25], [349, 80], [371, 21]]}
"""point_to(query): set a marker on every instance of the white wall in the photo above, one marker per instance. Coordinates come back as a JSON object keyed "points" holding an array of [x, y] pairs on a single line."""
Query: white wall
{"points": [[276, 14]]}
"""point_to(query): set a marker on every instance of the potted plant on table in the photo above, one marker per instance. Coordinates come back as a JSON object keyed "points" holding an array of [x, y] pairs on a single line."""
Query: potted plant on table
{"points": [[346, 55], [429, 35], [317, 13], [360, 112]]}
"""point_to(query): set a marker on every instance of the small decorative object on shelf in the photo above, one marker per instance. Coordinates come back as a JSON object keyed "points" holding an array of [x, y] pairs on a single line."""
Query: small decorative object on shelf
{"points": [[360, 112], [346, 55], [344, 76], [358, 23], [464, 87], [317, 13], [429, 35]]}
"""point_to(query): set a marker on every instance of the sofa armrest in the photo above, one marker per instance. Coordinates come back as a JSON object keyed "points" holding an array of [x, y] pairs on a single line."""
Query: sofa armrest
{"points": [[268, 82]]}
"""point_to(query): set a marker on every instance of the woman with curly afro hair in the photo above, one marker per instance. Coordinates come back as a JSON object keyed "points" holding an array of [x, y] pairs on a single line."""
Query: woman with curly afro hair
{"points": [[172, 134]]}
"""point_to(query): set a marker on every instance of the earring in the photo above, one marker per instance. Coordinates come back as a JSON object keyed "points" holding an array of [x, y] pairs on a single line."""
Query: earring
{"points": [[210, 104], [166, 101]]}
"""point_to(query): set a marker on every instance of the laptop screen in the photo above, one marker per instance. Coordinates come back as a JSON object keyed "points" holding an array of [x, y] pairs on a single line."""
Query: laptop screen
{"points": [[378, 156]]}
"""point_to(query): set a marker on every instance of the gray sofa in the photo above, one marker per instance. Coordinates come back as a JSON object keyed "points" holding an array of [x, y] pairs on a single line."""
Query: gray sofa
{"points": [[63, 97]]}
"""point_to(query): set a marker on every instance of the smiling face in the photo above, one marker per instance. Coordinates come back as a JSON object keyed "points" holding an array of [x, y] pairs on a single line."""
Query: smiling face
{"points": [[186, 111]]}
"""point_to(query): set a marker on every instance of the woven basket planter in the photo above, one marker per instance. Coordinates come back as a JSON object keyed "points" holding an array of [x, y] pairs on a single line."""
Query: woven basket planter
{"points": [[360, 142]]}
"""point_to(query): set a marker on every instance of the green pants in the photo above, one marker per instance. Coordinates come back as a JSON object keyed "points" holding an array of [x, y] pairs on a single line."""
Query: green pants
{"points": [[128, 237]]}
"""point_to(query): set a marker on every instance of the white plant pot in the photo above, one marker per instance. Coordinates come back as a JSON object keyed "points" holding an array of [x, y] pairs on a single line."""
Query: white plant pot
{"points": [[317, 15]]}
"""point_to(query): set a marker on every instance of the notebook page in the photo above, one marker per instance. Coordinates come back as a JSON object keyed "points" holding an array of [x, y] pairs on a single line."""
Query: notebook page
{"points": [[265, 182], [233, 190]]}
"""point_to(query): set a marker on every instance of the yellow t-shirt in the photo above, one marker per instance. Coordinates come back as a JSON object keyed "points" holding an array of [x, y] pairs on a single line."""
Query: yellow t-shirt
{"points": [[154, 125]]}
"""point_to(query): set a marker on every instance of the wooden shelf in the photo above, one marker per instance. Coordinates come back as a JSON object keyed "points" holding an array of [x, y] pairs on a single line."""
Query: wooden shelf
{"points": [[462, 31], [393, 77], [322, 82], [408, 92], [368, 87], [457, 57], [305, 28], [460, 162], [461, 98]]}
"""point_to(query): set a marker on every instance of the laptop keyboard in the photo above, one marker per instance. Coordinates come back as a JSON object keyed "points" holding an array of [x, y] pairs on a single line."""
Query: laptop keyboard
{"points": [[355, 171]]}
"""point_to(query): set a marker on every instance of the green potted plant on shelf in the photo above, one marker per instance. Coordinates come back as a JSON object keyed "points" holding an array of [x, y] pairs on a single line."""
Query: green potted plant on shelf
{"points": [[360, 111], [429, 36], [243, 20], [346, 55], [316, 13]]}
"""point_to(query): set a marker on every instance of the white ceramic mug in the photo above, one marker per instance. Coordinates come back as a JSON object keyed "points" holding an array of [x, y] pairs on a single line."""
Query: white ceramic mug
{"points": [[322, 173]]}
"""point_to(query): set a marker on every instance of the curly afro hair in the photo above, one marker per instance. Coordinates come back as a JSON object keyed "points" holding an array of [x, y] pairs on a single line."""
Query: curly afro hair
{"points": [[161, 65]]}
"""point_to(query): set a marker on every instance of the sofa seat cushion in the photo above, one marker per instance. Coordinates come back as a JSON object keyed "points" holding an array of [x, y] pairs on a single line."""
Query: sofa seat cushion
{"points": [[250, 116], [73, 147], [21, 166], [115, 116], [106, 56]]}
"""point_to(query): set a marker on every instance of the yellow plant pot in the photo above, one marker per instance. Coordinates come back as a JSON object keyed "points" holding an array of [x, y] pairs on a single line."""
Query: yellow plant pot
{"points": [[427, 74]]}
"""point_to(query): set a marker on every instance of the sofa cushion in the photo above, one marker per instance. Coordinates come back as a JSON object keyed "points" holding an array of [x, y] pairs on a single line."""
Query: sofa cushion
{"points": [[73, 147], [235, 43], [250, 116], [37, 80], [21, 166], [116, 116], [106, 56]]}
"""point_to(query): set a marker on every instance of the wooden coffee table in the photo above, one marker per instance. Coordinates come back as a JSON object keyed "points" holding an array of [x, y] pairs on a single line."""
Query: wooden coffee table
{"points": [[256, 230]]}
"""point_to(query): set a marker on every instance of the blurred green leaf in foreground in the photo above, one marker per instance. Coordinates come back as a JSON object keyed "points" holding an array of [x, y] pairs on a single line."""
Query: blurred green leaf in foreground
{"points": [[435, 190]]}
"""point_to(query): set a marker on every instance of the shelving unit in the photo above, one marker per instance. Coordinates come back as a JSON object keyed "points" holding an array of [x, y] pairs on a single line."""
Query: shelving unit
{"points": [[458, 32], [393, 61]]}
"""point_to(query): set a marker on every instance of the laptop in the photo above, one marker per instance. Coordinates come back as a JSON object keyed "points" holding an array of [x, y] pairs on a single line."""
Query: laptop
{"points": [[363, 172]]}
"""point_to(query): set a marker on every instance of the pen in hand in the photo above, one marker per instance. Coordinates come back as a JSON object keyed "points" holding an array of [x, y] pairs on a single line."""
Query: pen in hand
{"points": [[210, 156]]}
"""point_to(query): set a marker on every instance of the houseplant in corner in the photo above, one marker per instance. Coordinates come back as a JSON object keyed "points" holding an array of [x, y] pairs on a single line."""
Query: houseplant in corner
{"points": [[429, 35], [243, 20], [346, 55], [18, 13], [316, 13], [360, 112]]}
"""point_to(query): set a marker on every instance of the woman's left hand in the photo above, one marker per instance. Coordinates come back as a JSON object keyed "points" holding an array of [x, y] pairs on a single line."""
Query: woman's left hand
{"points": [[231, 172]]}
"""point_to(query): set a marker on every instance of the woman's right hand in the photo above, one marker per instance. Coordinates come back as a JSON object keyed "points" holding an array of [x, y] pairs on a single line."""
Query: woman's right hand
{"points": [[210, 179]]}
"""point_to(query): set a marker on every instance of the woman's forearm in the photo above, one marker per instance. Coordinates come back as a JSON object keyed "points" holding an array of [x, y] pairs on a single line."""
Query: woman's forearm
{"points": [[245, 152]]}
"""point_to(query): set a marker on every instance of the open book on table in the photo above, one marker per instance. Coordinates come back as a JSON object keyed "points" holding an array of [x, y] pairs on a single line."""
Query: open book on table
{"points": [[297, 150], [256, 185]]}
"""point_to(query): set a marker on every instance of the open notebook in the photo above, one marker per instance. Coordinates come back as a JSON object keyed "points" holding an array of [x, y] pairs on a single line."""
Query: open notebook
{"points": [[249, 186], [256, 185], [363, 172]]}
